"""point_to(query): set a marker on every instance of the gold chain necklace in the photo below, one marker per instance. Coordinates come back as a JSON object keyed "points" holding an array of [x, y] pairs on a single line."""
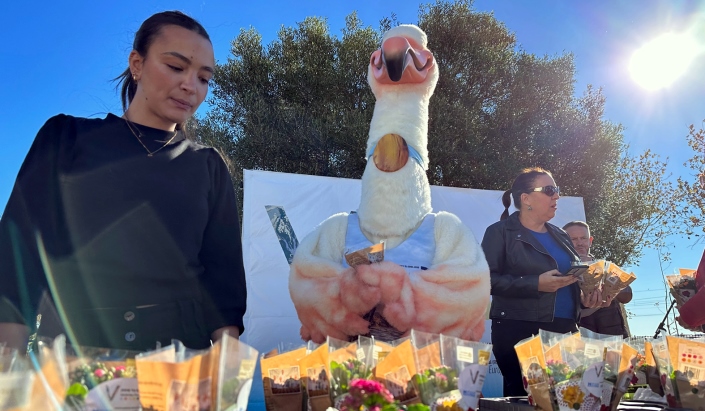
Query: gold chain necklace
{"points": [[138, 134]]}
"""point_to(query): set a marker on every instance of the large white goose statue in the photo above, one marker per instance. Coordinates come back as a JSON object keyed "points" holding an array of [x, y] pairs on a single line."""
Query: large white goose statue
{"points": [[434, 276]]}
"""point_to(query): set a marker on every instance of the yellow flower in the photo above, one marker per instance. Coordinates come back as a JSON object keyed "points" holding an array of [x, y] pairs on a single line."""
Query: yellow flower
{"points": [[573, 395], [449, 405]]}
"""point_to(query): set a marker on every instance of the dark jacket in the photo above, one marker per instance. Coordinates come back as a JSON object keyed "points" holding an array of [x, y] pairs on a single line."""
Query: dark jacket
{"points": [[608, 320], [516, 259]]}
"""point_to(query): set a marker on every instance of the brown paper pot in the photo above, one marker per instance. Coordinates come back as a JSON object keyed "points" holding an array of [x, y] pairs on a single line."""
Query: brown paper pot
{"points": [[286, 402], [320, 403]]}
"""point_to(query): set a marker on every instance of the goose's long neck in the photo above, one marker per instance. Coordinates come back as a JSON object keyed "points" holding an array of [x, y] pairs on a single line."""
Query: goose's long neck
{"points": [[402, 114]]}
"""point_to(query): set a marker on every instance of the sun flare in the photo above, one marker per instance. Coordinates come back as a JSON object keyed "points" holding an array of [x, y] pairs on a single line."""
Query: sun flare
{"points": [[662, 61]]}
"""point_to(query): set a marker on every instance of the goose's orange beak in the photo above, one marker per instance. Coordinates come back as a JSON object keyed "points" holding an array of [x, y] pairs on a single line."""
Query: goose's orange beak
{"points": [[401, 61]]}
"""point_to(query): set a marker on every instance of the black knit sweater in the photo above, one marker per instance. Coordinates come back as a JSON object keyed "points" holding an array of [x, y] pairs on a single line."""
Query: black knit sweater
{"points": [[132, 248]]}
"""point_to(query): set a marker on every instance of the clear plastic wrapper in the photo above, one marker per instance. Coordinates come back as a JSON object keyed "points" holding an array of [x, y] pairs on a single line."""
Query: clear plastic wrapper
{"points": [[316, 378], [235, 368], [281, 377], [467, 362], [431, 377], [640, 372], [530, 352], [682, 286], [9, 359], [550, 339], [613, 360], [310, 347], [380, 349], [50, 384], [651, 370], [16, 381], [578, 380], [551, 348], [628, 364], [177, 378], [687, 358], [395, 369], [613, 355], [662, 359], [348, 361], [645, 394], [100, 379]]}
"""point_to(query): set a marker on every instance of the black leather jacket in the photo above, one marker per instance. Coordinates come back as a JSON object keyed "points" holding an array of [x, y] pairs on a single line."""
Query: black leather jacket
{"points": [[516, 259]]}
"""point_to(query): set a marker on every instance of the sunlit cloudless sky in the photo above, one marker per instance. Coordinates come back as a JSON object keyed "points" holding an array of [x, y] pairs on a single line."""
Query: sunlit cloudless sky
{"points": [[59, 57]]}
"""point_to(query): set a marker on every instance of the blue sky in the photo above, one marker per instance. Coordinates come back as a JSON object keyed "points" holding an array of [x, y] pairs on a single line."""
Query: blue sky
{"points": [[59, 57]]}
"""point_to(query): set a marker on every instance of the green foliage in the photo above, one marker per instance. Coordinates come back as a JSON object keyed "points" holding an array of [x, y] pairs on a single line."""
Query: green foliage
{"points": [[229, 392], [77, 390], [557, 370], [434, 382], [301, 104], [87, 376], [76, 396], [343, 373], [638, 209]]}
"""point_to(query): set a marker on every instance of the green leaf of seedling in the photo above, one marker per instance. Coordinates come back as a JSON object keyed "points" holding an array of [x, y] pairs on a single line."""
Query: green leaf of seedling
{"points": [[78, 390]]}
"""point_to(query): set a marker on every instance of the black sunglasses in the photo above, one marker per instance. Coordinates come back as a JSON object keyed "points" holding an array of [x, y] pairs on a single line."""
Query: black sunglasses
{"points": [[548, 190]]}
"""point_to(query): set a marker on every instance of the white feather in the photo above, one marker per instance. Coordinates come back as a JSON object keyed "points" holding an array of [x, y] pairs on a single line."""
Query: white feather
{"points": [[392, 205]]}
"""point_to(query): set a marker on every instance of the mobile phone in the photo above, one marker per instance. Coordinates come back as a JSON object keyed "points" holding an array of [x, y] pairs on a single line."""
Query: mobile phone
{"points": [[576, 271]]}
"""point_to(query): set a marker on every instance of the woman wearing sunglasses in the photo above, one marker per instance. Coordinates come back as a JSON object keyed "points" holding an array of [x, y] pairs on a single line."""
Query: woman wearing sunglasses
{"points": [[528, 258]]}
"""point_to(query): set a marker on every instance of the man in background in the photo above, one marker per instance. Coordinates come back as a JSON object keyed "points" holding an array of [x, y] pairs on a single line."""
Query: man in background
{"points": [[608, 320]]}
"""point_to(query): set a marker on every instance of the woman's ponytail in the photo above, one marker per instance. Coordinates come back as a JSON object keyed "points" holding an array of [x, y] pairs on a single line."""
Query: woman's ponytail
{"points": [[506, 202]]}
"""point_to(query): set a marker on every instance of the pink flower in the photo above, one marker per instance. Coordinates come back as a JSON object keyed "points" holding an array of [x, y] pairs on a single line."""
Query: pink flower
{"points": [[672, 402], [441, 376], [363, 392], [120, 368], [367, 386], [99, 373]]}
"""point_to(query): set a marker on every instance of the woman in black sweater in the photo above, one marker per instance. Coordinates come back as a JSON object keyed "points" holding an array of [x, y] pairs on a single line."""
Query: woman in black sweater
{"points": [[128, 226]]}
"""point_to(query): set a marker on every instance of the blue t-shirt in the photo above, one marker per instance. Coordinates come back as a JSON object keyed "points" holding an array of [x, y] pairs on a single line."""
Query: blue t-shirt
{"points": [[565, 306]]}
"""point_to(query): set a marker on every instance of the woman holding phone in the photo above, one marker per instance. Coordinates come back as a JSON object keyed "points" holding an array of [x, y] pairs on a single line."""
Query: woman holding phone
{"points": [[528, 259]]}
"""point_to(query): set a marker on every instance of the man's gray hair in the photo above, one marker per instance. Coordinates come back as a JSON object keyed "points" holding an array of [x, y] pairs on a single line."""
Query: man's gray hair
{"points": [[577, 223]]}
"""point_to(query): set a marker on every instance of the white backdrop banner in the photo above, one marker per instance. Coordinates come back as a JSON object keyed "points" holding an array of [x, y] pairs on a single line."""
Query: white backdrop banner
{"points": [[271, 319]]}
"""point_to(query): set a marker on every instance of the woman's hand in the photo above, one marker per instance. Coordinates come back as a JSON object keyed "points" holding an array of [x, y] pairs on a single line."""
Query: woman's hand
{"points": [[232, 330], [552, 280]]}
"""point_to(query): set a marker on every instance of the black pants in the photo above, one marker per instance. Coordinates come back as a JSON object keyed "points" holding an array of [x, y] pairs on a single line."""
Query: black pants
{"points": [[506, 334]]}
